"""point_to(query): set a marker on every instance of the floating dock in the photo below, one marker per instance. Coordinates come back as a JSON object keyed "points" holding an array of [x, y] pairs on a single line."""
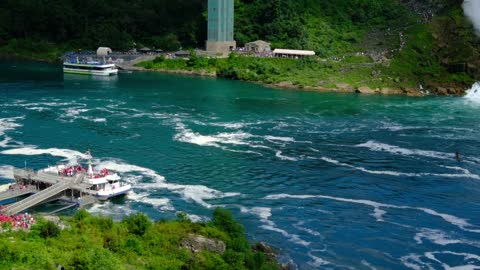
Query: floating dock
{"points": [[46, 187]]}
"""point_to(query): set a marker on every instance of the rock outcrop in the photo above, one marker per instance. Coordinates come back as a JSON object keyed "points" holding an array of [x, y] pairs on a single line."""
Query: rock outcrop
{"points": [[451, 89], [345, 87], [198, 243], [367, 90]]}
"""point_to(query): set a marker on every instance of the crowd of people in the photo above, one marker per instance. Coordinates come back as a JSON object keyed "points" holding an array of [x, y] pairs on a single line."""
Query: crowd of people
{"points": [[246, 52], [20, 221], [71, 171]]}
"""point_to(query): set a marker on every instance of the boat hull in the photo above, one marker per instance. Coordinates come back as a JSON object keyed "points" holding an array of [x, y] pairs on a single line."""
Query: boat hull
{"points": [[105, 195], [91, 72]]}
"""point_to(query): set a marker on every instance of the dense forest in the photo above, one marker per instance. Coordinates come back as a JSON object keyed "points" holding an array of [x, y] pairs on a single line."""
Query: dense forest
{"points": [[327, 26]]}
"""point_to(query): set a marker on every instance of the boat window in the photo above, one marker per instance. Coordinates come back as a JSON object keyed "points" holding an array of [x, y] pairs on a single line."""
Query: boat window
{"points": [[86, 67]]}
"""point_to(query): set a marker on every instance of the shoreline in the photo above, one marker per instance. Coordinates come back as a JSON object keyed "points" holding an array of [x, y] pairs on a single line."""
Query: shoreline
{"points": [[436, 89], [286, 85], [450, 89]]}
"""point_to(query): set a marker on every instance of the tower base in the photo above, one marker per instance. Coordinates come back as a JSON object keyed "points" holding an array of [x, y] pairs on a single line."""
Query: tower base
{"points": [[223, 47]]}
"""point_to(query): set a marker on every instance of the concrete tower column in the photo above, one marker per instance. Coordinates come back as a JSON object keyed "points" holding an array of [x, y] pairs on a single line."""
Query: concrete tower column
{"points": [[220, 26]]}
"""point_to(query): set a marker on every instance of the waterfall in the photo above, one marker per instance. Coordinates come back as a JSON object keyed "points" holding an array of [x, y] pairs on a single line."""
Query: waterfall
{"points": [[474, 93]]}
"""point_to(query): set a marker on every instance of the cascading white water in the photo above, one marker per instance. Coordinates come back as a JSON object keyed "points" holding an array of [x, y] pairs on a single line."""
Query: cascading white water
{"points": [[474, 93]]}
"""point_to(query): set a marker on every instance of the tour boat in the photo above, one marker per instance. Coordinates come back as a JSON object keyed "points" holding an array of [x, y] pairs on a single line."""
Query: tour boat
{"points": [[104, 184], [90, 68]]}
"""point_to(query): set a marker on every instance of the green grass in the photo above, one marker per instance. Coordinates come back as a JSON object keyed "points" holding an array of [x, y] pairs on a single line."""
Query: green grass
{"points": [[135, 243], [308, 72]]}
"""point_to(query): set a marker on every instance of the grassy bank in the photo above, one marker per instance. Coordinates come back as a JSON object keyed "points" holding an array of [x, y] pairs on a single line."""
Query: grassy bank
{"points": [[301, 72], [90, 242], [416, 63]]}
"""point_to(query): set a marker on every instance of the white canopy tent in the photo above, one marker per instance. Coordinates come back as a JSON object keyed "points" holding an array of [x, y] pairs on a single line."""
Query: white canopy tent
{"points": [[292, 53], [103, 51]]}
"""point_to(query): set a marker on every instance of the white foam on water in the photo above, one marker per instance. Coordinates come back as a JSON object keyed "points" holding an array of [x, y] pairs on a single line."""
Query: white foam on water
{"points": [[221, 140], [474, 93], [187, 135], [5, 142], [6, 171], [414, 262], [230, 125], [109, 209], [33, 151], [317, 261], [7, 124], [435, 236], [368, 265], [72, 114], [383, 147], [430, 260], [279, 155], [160, 203], [378, 212], [38, 109], [264, 213], [300, 226], [465, 174], [396, 127], [99, 120], [440, 237], [195, 193], [281, 139], [284, 139]]}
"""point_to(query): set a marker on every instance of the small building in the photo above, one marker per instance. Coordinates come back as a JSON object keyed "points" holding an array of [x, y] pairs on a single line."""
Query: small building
{"points": [[103, 51], [145, 50], [292, 53], [258, 46]]}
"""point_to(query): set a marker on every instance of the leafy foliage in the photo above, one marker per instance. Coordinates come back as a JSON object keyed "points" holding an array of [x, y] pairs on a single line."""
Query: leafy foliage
{"points": [[135, 243]]}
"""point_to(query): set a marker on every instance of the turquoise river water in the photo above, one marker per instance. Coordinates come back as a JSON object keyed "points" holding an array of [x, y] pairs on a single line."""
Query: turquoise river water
{"points": [[334, 181]]}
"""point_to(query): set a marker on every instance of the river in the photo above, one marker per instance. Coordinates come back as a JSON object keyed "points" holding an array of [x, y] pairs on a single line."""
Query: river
{"points": [[334, 181]]}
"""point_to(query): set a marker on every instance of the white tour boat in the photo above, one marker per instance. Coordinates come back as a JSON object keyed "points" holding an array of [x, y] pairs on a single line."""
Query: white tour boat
{"points": [[104, 184], [90, 68]]}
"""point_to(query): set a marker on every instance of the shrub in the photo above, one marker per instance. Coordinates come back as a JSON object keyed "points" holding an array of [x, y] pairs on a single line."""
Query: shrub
{"points": [[82, 215], [137, 224], [148, 65], [48, 229], [183, 217], [159, 59], [223, 220]]}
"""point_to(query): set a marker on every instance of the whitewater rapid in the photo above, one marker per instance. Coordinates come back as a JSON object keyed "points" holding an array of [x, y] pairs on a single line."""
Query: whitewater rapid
{"points": [[474, 93], [332, 181]]}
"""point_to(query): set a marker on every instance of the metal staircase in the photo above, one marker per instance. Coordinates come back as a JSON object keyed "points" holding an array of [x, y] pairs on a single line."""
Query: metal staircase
{"points": [[36, 198], [9, 194]]}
